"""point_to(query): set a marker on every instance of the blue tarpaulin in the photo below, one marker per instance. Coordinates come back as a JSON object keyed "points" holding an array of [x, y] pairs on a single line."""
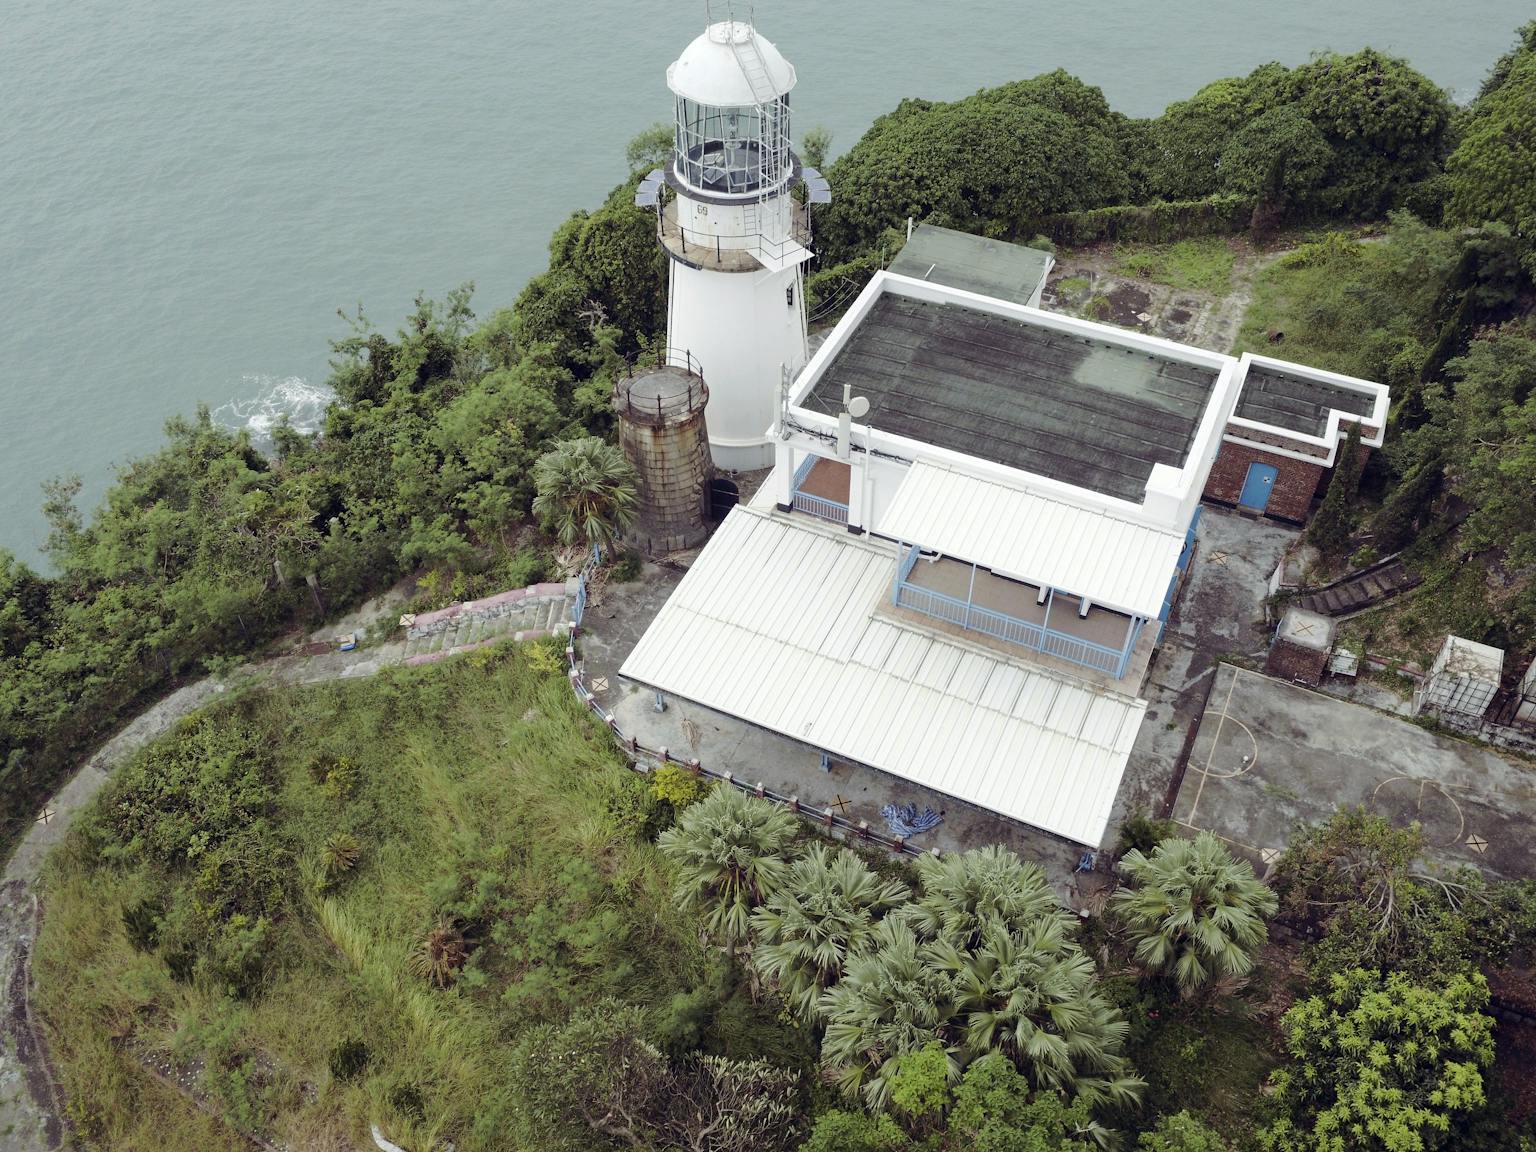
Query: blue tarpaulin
{"points": [[906, 820]]}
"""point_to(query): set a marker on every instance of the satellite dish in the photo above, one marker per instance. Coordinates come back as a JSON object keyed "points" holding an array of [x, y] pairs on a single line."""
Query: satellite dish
{"points": [[858, 407]]}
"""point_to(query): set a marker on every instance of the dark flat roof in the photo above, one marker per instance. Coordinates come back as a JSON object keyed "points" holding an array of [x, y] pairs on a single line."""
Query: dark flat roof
{"points": [[1296, 403], [972, 263], [1085, 412]]}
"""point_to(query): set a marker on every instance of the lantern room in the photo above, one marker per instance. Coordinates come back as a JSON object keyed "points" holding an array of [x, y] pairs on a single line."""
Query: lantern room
{"points": [[732, 126]]}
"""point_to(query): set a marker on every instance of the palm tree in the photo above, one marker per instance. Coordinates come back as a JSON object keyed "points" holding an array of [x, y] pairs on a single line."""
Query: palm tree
{"points": [[586, 491], [964, 895], [890, 1001], [1032, 996], [730, 849], [1194, 910], [824, 913]]}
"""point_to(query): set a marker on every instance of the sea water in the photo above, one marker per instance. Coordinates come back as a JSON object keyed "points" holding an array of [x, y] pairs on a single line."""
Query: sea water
{"points": [[189, 191]]}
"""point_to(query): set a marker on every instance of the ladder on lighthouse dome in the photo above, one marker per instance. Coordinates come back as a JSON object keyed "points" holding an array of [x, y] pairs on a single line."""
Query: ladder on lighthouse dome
{"points": [[773, 129], [754, 67]]}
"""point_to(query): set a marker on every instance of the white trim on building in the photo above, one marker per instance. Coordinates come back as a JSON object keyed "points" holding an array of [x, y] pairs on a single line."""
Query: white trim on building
{"points": [[1171, 493], [1333, 431]]}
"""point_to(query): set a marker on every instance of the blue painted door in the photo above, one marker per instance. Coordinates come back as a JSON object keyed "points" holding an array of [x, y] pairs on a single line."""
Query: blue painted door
{"points": [[1258, 486]]}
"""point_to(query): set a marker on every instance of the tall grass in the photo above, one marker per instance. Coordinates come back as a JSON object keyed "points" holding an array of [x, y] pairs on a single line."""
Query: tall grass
{"points": [[1203, 264], [478, 771]]}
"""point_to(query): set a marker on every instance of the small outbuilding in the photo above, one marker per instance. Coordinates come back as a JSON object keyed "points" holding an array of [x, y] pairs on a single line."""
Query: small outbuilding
{"points": [[1463, 680], [1302, 646], [1525, 710], [1281, 441], [977, 264]]}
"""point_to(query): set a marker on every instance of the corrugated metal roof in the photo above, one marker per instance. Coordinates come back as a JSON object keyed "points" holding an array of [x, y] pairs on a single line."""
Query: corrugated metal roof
{"points": [[1114, 562], [775, 623]]}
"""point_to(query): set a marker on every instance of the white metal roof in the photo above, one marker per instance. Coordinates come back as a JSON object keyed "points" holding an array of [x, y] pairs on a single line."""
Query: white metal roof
{"points": [[1112, 561], [775, 623], [711, 69]]}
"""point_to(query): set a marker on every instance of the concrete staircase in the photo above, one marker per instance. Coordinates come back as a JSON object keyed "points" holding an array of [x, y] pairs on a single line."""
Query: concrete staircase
{"points": [[1361, 590], [522, 614]]}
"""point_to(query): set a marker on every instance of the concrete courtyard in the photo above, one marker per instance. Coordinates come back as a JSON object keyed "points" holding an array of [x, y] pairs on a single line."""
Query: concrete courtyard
{"points": [[1272, 755], [1219, 615]]}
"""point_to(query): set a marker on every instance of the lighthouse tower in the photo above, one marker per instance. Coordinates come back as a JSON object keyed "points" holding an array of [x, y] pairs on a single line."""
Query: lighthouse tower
{"points": [[734, 233]]}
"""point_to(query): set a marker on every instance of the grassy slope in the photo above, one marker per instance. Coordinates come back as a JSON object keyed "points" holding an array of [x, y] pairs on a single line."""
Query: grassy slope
{"points": [[1282, 295], [1203, 264], [483, 771]]}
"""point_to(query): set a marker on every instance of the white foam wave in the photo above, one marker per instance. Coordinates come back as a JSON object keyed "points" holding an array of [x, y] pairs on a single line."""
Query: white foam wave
{"points": [[268, 399]]}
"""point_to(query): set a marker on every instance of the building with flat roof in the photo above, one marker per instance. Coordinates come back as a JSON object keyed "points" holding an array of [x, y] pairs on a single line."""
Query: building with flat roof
{"points": [[975, 263], [974, 532]]}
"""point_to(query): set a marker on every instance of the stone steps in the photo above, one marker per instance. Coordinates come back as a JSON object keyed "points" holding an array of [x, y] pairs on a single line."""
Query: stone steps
{"points": [[1369, 587], [542, 610]]}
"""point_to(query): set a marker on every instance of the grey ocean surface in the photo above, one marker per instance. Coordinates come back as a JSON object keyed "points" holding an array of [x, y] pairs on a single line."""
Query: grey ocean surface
{"points": [[188, 192]]}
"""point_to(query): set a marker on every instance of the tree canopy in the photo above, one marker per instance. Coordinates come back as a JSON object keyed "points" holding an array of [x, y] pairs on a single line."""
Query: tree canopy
{"points": [[1194, 911], [983, 164], [1380, 1062], [1490, 171]]}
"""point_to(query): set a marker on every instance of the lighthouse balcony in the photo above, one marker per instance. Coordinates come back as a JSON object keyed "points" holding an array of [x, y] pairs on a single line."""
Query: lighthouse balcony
{"points": [[748, 250]]}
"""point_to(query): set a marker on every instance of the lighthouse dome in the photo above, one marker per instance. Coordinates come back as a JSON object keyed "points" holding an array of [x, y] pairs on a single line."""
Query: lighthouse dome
{"points": [[712, 70]]}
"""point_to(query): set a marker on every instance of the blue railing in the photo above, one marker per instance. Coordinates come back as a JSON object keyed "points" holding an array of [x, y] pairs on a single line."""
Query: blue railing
{"points": [[579, 609], [1178, 574], [822, 508], [818, 506], [1024, 633]]}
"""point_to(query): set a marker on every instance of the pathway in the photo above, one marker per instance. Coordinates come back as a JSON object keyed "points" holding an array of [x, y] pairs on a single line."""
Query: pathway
{"points": [[29, 1099]]}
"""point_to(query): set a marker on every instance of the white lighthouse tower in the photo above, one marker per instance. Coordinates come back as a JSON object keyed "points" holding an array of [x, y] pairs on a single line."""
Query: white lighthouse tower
{"points": [[735, 235]]}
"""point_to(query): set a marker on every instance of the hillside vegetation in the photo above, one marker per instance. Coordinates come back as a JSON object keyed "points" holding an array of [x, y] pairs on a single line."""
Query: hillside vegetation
{"points": [[439, 902], [334, 906]]}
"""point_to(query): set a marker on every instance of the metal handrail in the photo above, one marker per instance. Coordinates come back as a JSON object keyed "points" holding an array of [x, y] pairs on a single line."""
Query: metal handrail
{"points": [[638, 754], [1024, 633], [820, 507], [667, 356], [694, 393], [669, 225]]}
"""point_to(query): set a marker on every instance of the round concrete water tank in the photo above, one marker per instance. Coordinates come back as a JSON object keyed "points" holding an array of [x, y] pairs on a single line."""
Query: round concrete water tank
{"points": [[662, 431]]}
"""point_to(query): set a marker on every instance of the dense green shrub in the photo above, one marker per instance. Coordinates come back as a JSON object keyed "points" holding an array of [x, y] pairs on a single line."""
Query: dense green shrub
{"points": [[679, 787], [986, 164], [1181, 1132], [141, 921], [1380, 1062], [349, 1058], [1149, 223], [1143, 832]]}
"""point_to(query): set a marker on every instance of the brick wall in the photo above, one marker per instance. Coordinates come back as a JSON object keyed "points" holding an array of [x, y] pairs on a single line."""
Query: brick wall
{"points": [[1295, 485], [1289, 661]]}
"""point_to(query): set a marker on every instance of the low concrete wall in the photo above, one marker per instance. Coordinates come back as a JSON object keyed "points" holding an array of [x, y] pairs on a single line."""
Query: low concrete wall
{"points": [[641, 758]]}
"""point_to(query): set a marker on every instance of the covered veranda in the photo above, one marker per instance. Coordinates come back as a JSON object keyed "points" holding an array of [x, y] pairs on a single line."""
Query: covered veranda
{"points": [[1039, 618]]}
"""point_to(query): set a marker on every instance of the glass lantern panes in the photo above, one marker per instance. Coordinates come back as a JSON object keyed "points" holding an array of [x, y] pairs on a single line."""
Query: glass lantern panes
{"points": [[733, 150]]}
